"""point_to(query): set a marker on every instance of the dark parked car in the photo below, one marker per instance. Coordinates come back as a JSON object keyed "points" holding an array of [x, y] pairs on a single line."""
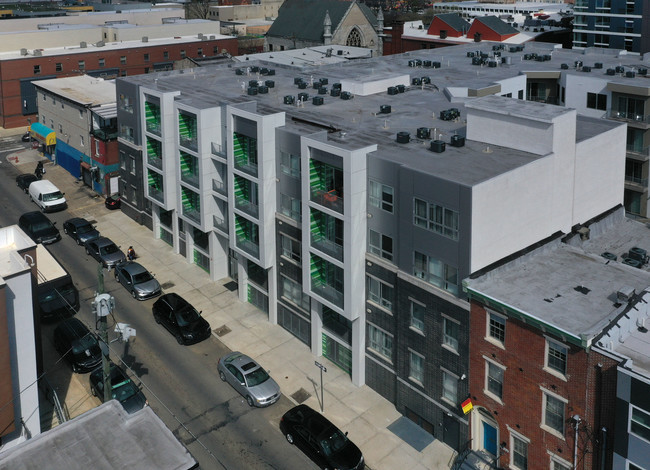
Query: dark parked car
{"points": [[181, 319], [113, 202], [77, 345], [23, 181], [80, 230], [320, 440], [39, 227], [123, 389], [137, 280], [249, 379], [105, 251]]}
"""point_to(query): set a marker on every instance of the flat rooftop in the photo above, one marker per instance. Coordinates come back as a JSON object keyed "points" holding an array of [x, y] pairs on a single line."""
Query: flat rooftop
{"points": [[83, 89], [357, 122]]}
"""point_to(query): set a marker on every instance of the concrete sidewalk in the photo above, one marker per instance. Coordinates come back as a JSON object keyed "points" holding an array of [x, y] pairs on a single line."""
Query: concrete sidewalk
{"points": [[241, 326]]}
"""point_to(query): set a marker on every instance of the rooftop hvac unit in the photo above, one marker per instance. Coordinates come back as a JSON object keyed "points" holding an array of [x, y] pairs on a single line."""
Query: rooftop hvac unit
{"points": [[514, 49], [598, 65], [336, 86], [302, 85], [297, 80], [412, 63], [610, 72], [324, 81], [609, 256], [564, 66], [239, 72], [471, 54], [483, 55], [635, 263], [339, 52], [289, 99], [23, 51], [443, 34], [586, 68], [255, 69], [416, 81], [269, 83], [539, 58], [418, 63], [457, 141], [212, 37], [403, 138], [625, 294], [317, 100], [303, 96], [392, 90], [200, 36], [83, 44], [264, 71], [322, 90], [630, 74], [271, 72], [145, 38], [253, 83], [638, 254], [316, 85], [437, 146], [577, 64], [385, 109], [335, 92], [476, 61], [401, 88], [263, 89], [506, 60], [252, 90], [642, 71], [492, 63], [620, 69], [426, 63], [426, 80], [423, 133], [346, 95], [100, 44], [497, 54], [435, 64], [38, 52]]}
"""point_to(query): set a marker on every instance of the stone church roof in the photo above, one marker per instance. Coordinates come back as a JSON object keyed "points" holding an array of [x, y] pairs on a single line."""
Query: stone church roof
{"points": [[303, 19]]}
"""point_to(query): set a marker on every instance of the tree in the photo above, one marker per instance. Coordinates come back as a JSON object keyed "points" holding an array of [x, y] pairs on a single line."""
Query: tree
{"points": [[197, 9]]}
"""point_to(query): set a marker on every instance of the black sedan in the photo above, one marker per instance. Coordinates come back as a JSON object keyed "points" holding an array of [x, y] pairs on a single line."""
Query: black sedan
{"points": [[320, 440], [77, 345], [123, 389], [80, 230], [24, 180], [181, 319]]}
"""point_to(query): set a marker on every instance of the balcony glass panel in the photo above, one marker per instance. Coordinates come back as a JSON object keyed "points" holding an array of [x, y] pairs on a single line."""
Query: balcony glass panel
{"points": [[154, 152], [245, 153], [152, 117], [218, 150], [327, 280], [326, 185], [247, 236], [189, 169], [220, 223], [187, 131], [246, 195], [219, 186], [155, 186], [327, 234], [191, 203]]}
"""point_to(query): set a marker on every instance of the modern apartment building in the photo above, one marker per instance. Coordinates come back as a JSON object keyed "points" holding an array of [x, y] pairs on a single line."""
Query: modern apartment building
{"points": [[349, 201], [617, 24]]}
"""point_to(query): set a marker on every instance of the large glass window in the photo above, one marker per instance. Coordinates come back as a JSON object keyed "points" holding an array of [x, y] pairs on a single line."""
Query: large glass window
{"points": [[417, 316], [380, 195], [290, 207], [380, 341], [436, 218], [416, 366], [640, 423], [380, 293], [554, 413], [519, 453], [290, 164], [292, 291], [494, 379], [450, 333], [449, 387], [380, 245], [597, 101], [436, 272], [290, 248]]}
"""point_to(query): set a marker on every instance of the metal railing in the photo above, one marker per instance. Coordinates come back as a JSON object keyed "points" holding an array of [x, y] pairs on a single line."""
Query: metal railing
{"points": [[329, 199], [188, 142], [218, 150], [219, 186], [61, 411], [635, 180], [248, 167], [328, 292], [621, 115], [249, 246], [335, 250], [459, 457], [190, 177], [247, 206], [192, 213], [157, 194], [220, 223]]}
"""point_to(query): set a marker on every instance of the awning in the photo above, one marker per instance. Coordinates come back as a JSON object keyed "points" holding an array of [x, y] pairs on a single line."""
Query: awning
{"points": [[42, 133]]}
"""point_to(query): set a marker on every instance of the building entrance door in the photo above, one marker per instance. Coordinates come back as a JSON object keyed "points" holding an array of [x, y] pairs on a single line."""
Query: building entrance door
{"points": [[489, 438]]}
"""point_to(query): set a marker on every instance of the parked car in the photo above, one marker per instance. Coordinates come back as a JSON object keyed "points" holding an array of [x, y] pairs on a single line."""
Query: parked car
{"points": [[80, 230], [181, 319], [23, 181], [249, 379], [78, 346], [39, 227], [123, 389], [137, 280], [47, 196], [113, 202], [105, 251], [320, 440]]}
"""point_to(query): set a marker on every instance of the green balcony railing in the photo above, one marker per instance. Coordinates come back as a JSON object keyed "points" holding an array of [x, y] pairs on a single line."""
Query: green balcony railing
{"points": [[328, 199], [249, 246], [157, 194], [247, 206]]}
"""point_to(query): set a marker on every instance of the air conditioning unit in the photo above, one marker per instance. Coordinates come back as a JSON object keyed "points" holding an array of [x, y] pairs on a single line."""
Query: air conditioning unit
{"points": [[625, 294]]}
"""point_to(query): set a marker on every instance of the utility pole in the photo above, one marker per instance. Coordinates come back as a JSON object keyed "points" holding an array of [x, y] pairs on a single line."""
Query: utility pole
{"points": [[103, 305]]}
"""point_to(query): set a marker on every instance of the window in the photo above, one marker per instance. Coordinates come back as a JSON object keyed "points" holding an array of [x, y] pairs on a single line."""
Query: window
{"points": [[631, 466], [123, 60], [450, 333], [146, 57], [560, 464], [292, 291], [381, 245], [59, 67], [640, 422], [380, 342], [436, 272], [290, 248], [132, 164], [556, 356], [380, 293], [37, 69], [436, 218], [199, 52], [597, 101], [44, 97], [519, 453], [81, 114], [82, 65], [183, 54], [122, 161], [165, 54], [380, 195], [290, 207], [290, 164], [81, 140], [554, 413], [417, 316], [102, 62], [496, 327], [60, 129], [449, 387], [416, 366], [494, 379]]}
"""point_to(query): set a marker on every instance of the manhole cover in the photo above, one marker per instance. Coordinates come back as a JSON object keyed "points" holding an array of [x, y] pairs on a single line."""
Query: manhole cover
{"points": [[300, 396], [231, 286], [222, 330], [167, 285]]}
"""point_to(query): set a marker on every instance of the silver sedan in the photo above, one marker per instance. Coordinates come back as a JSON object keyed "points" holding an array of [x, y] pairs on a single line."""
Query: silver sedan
{"points": [[249, 379]]}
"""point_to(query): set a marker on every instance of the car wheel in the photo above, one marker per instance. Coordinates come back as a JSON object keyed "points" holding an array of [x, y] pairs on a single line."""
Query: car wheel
{"points": [[222, 376], [179, 338], [250, 401], [157, 318], [289, 438], [65, 230], [75, 369], [87, 251], [133, 294], [31, 199], [93, 391], [78, 242], [117, 278]]}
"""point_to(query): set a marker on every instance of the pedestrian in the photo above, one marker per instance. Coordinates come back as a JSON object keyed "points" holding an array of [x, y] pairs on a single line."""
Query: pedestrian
{"points": [[130, 253], [40, 171]]}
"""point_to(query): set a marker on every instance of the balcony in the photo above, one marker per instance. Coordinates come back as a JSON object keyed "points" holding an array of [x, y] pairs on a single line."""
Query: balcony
{"points": [[154, 127], [192, 214], [156, 194], [219, 151], [328, 199], [328, 293], [247, 206], [188, 142], [220, 223], [105, 133], [247, 167], [190, 178], [155, 161], [219, 187], [629, 117], [637, 181], [249, 247], [328, 247], [636, 150]]}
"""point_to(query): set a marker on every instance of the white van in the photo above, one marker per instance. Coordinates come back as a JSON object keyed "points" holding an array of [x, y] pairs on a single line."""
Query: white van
{"points": [[47, 196]]}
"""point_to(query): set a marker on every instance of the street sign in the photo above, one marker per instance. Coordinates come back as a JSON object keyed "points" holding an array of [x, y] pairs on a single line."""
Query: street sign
{"points": [[320, 366]]}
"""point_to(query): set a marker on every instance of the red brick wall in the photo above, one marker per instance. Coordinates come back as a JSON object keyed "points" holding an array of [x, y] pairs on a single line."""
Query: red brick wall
{"points": [[487, 34], [103, 152], [524, 357], [437, 25], [11, 71]]}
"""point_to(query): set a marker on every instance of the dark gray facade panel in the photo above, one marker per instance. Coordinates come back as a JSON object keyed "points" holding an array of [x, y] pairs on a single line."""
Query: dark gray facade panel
{"points": [[381, 380], [640, 394], [124, 118], [621, 435], [623, 386]]}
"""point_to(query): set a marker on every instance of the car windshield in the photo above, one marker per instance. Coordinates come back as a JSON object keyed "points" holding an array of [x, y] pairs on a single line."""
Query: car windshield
{"points": [[84, 229], [52, 196], [258, 376], [123, 390], [83, 344], [334, 442], [187, 315], [141, 277], [109, 249], [39, 226]]}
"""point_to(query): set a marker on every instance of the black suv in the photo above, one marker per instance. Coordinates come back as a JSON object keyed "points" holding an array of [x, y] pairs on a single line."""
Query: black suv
{"points": [[77, 345], [181, 319], [39, 227], [317, 437]]}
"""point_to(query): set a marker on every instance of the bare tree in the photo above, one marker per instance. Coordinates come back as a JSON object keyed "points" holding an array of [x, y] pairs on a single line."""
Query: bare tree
{"points": [[197, 9]]}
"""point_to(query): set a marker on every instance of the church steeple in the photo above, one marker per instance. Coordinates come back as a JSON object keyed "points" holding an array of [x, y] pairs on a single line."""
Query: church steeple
{"points": [[327, 26]]}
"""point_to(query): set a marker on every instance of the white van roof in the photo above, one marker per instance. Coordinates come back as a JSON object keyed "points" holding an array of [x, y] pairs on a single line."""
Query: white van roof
{"points": [[44, 186]]}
